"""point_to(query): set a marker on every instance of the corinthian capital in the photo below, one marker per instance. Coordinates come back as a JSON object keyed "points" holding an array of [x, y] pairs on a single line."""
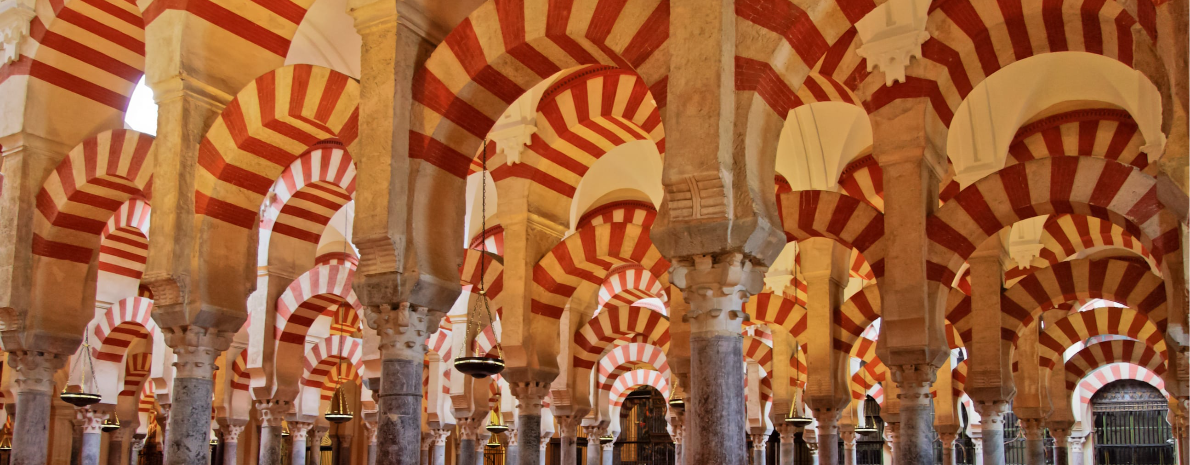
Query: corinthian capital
{"points": [[716, 287], [272, 412], [196, 349], [91, 420], [403, 330], [35, 370]]}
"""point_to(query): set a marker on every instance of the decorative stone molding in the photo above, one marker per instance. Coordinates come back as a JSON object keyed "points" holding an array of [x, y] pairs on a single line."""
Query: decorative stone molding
{"points": [[196, 349], [1076, 444], [594, 432], [35, 370], [440, 436], [759, 441], [568, 425], [403, 330], [849, 438], [512, 137], [716, 288], [370, 428], [1032, 428], [469, 428], [545, 439], [299, 430], [892, 35], [231, 432], [698, 196], [272, 412], [1061, 436], [947, 439], [530, 396], [913, 383], [787, 432], [511, 438], [991, 413], [91, 420], [15, 17]]}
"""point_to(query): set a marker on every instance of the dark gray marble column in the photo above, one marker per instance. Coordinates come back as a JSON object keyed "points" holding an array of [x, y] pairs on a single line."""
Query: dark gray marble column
{"points": [[1034, 441], [163, 423], [34, 383], [714, 408], [468, 434], [568, 453], [529, 396], [609, 449], [992, 431], [398, 432], [189, 439], [677, 431], [512, 445], [426, 441], [481, 442], [915, 439], [91, 448], [438, 445], [92, 422], [272, 413], [828, 436]]}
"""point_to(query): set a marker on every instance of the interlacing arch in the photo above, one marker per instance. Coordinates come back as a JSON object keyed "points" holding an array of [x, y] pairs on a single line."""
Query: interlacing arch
{"points": [[1093, 356], [630, 380], [624, 211], [338, 375], [315, 293], [594, 337], [241, 379], [346, 321], [845, 219], [624, 357], [759, 351], [1093, 132], [586, 257], [1067, 235], [777, 309], [136, 372], [492, 268], [309, 192], [864, 180], [491, 240], [959, 378], [856, 314], [1080, 326], [125, 322], [322, 358], [1092, 382], [629, 284], [1124, 282], [124, 241], [1121, 194]]}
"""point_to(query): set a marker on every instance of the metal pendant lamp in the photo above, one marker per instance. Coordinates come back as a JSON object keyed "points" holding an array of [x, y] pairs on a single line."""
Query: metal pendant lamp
{"points": [[112, 423], [481, 366], [496, 425], [86, 392], [339, 412], [795, 417]]}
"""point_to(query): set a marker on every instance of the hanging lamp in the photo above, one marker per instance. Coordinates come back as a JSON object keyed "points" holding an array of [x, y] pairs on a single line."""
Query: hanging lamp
{"points": [[81, 395], [112, 423], [284, 429], [493, 443], [863, 423], [677, 402], [6, 442], [795, 417], [481, 367], [338, 412], [496, 425]]}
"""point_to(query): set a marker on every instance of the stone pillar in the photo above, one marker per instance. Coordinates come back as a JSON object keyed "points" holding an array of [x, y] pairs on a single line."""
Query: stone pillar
{"points": [[545, 445], [92, 435], [231, 440], [481, 444], [196, 349], [1076, 449], [788, 444], [163, 423], [344, 457], [992, 431], [1061, 446], [117, 444], [314, 442], [594, 454], [403, 331], [569, 437], [438, 455], [891, 437], [468, 436], [977, 450], [426, 439], [370, 429], [512, 447], [298, 432], [849, 438], [759, 444], [915, 436], [529, 396], [828, 434], [34, 389], [677, 424], [948, 439], [813, 446], [76, 440], [138, 443], [609, 449], [716, 288], [272, 413]]}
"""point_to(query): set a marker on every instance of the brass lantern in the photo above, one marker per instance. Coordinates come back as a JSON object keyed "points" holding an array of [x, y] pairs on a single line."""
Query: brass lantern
{"points": [[481, 366]]}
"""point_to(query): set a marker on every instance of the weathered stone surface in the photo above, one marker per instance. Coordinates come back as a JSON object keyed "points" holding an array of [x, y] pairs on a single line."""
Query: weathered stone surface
{"points": [[190, 422], [528, 438], [91, 448], [716, 426], [398, 434], [270, 444]]}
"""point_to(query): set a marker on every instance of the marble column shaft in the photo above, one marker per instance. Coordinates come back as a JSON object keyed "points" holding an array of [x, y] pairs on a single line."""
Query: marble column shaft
{"points": [[849, 438], [594, 453], [915, 438], [715, 414], [34, 390], [788, 449], [298, 432], [1034, 441], [92, 422], [828, 434], [977, 450], [270, 445], [568, 454], [91, 448], [481, 443], [403, 331], [370, 428], [947, 439], [314, 442], [138, 443], [1076, 450], [527, 436], [609, 450], [192, 394], [992, 431], [759, 445]]}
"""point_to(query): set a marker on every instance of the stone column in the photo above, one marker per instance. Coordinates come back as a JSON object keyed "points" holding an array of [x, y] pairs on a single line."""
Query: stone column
{"points": [[529, 396], [849, 438], [915, 436], [512, 447], [117, 445], [344, 457], [977, 450], [138, 443], [813, 446], [1076, 449], [609, 449], [948, 439], [481, 444], [370, 429], [569, 437], [759, 444], [992, 431], [891, 437], [196, 349], [426, 439], [163, 423], [438, 455], [34, 389], [76, 440], [403, 331], [594, 454], [1061, 446], [298, 432], [468, 436], [92, 435], [545, 445], [828, 434], [677, 422], [716, 288], [231, 440], [272, 413], [788, 444], [314, 441]]}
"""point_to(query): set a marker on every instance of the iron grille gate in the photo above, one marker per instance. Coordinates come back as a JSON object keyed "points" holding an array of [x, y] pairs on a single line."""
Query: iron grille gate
{"points": [[1130, 425], [644, 439]]}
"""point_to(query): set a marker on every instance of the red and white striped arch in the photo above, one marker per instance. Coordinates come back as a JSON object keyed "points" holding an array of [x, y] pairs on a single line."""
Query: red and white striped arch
{"points": [[338, 375], [1095, 132], [124, 241], [628, 284], [337, 258], [970, 41], [959, 378], [1097, 355], [854, 316], [491, 240], [136, 371], [439, 343], [598, 334], [315, 293], [241, 379], [309, 192], [759, 351], [1121, 194], [1116, 371], [487, 340], [1080, 326], [581, 117], [1123, 282], [322, 357], [864, 179], [488, 268], [630, 380], [624, 357], [125, 322], [781, 310], [499, 52], [586, 257], [268, 25], [85, 189], [623, 211], [268, 126], [1067, 235], [851, 222], [346, 321]]}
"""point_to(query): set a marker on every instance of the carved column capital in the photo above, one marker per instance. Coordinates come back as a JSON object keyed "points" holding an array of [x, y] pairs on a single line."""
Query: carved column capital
{"points": [[469, 428], [545, 439], [272, 412], [716, 287], [196, 349], [403, 330], [299, 430], [1076, 444], [947, 439], [370, 428], [35, 370], [594, 432], [991, 413], [759, 441], [677, 427], [1061, 437], [231, 432], [427, 439], [609, 445], [568, 425], [849, 438], [511, 437], [914, 383], [91, 420], [529, 396]]}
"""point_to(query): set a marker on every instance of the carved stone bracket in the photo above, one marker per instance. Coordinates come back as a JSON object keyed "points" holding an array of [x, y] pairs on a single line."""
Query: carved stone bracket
{"points": [[787, 432], [913, 383], [759, 441], [568, 425], [35, 370], [469, 428], [991, 413], [1032, 428], [848, 437], [15, 17], [231, 432], [403, 330], [272, 412]]}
